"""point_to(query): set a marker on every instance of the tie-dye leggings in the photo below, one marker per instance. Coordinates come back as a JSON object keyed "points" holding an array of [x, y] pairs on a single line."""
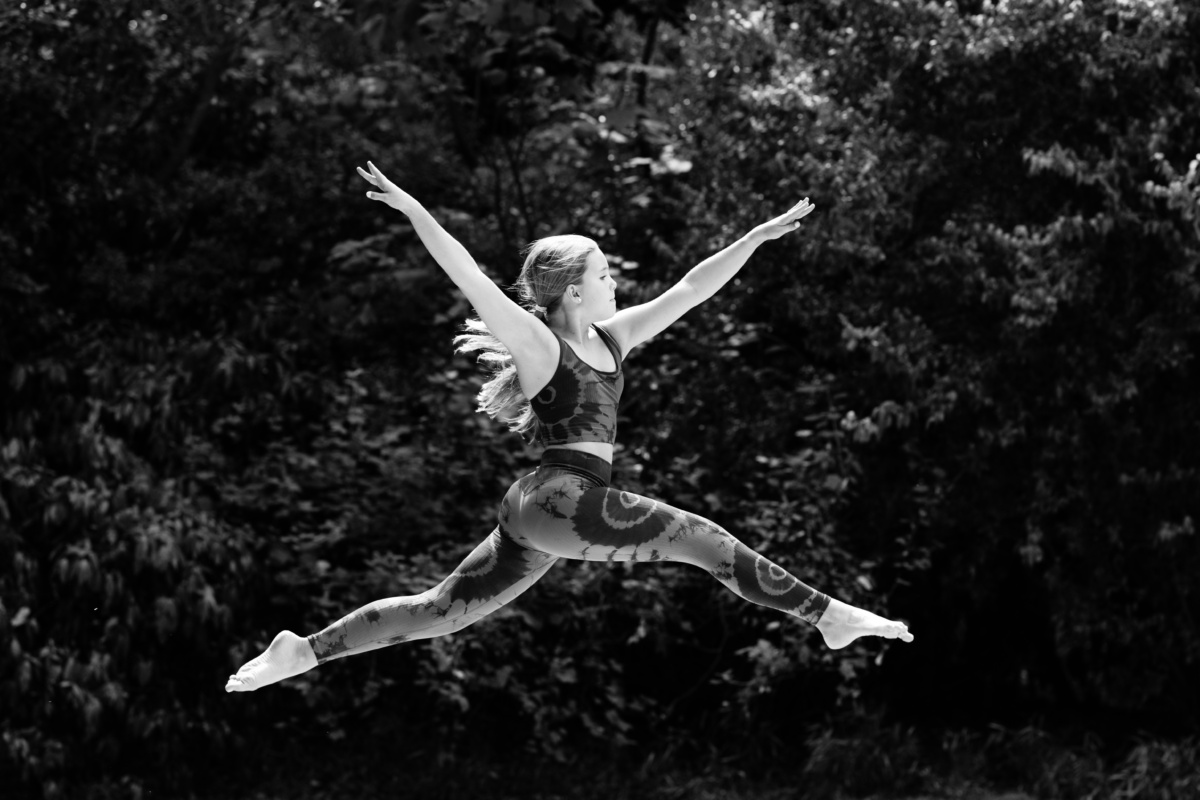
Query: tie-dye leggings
{"points": [[566, 509]]}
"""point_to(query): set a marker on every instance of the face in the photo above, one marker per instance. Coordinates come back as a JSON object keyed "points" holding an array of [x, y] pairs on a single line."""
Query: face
{"points": [[598, 289]]}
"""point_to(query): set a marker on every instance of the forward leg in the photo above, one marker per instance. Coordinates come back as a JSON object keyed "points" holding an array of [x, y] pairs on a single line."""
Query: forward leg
{"points": [[606, 524]]}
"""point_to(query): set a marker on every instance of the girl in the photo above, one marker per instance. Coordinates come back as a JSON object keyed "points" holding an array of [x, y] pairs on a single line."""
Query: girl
{"points": [[558, 378]]}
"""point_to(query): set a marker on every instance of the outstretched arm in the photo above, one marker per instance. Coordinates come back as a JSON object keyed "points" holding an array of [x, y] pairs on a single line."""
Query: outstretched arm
{"points": [[634, 325], [520, 331]]}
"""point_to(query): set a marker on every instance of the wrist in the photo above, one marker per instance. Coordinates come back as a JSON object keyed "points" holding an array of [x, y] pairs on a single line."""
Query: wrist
{"points": [[756, 237], [416, 212]]}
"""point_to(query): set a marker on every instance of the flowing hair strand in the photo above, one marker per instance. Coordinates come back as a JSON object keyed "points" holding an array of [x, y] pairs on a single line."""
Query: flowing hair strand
{"points": [[551, 265]]}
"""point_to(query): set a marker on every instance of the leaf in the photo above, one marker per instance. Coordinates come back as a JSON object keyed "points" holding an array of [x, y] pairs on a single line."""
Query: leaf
{"points": [[622, 117]]}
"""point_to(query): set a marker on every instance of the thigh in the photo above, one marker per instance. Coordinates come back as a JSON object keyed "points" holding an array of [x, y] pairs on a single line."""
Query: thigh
{"points": [[573, 519], [493, 574]]}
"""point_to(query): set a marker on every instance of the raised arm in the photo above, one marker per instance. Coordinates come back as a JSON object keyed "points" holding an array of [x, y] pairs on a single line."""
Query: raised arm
{"points": [[523, 334], [634, 325]]}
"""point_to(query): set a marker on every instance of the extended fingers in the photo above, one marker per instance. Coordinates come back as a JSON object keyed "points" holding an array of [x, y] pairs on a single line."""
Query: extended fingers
{"points": [[375, 178], [798, 212], [792, 218], [370, 178], [801, 209], [380, 181]]}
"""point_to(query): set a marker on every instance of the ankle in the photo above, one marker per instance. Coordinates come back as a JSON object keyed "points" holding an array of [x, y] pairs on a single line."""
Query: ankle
{"points": [[299, 650], [837, 612]]}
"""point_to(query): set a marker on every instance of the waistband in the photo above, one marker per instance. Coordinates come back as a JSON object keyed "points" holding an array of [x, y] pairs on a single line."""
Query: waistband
{"points": [[585, 464]]}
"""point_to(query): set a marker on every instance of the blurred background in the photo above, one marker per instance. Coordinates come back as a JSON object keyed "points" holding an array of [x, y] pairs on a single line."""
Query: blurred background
{"points": [[964, 394]]}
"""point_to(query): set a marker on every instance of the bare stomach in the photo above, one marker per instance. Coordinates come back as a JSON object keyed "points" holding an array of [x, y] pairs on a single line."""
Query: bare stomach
{"points": [[601, 449]]}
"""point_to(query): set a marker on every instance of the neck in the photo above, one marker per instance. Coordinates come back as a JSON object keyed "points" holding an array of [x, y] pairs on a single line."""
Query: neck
{"points": [[572, 328]]}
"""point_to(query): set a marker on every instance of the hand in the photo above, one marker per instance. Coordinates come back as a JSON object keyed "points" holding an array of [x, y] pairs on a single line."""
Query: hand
{"points": [[388, 192], [786, 223]]}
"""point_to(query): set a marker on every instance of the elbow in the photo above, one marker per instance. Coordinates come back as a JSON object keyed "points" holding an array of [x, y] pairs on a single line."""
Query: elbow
{"points": [[698, 294]]}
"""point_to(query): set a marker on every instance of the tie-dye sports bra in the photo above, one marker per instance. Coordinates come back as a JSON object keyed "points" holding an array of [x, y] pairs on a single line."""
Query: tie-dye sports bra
{"points": [[579, 404]]}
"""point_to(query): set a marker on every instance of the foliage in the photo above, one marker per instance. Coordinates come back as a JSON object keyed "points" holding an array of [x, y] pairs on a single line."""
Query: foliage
{"points": [[961, 395], [1039, 313], [873, 759]]}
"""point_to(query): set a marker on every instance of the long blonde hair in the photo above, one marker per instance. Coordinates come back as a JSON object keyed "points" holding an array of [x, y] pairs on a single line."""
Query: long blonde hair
{"points": [[551, 265]]}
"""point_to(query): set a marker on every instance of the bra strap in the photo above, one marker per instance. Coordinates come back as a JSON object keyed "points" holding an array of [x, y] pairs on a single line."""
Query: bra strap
{"points": [[610, 343]]}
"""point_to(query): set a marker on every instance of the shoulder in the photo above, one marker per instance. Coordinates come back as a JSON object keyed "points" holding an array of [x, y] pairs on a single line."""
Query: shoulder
{"points": [[539, 344]]}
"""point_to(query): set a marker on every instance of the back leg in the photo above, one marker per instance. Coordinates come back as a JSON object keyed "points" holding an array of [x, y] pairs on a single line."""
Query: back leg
{"points": [[493, 575]]}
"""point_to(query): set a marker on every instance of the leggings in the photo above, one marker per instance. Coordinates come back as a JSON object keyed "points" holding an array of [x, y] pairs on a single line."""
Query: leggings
{"points": [[566, 509]]}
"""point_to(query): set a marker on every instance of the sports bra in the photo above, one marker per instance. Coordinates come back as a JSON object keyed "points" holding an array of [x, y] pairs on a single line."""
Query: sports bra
{"points": [[579, 404]]}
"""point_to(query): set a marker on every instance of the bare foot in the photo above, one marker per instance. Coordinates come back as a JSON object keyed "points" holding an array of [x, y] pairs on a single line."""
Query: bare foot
{"points": [[841, 624], [287, 656]]}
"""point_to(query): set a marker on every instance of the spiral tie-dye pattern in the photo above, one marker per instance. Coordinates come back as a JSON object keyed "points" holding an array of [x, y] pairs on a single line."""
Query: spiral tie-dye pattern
{"points": [[567, 510], [579, 404]]}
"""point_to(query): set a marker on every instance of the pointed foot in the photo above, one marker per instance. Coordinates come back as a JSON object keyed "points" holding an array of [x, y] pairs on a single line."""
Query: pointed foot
{"points": [[841, 624], [287, 656]]}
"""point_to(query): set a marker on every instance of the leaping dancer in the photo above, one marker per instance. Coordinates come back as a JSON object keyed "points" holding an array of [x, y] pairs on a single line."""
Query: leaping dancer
{"points": [[558, 379]]}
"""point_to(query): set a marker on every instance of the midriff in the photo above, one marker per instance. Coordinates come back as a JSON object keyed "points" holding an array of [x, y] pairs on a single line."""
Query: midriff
{"points": [[601, 449]]}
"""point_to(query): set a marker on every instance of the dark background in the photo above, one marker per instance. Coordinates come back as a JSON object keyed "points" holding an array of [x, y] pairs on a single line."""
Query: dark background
{"points": [[963, 395]]}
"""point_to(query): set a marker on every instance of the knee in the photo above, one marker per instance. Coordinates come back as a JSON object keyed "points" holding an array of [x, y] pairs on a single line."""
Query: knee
{"points": [[712, 532], [710, 546]]}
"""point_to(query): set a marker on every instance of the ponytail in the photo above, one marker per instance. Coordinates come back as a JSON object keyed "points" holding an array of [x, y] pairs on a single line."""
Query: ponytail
{"points": [[551, 265]]}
